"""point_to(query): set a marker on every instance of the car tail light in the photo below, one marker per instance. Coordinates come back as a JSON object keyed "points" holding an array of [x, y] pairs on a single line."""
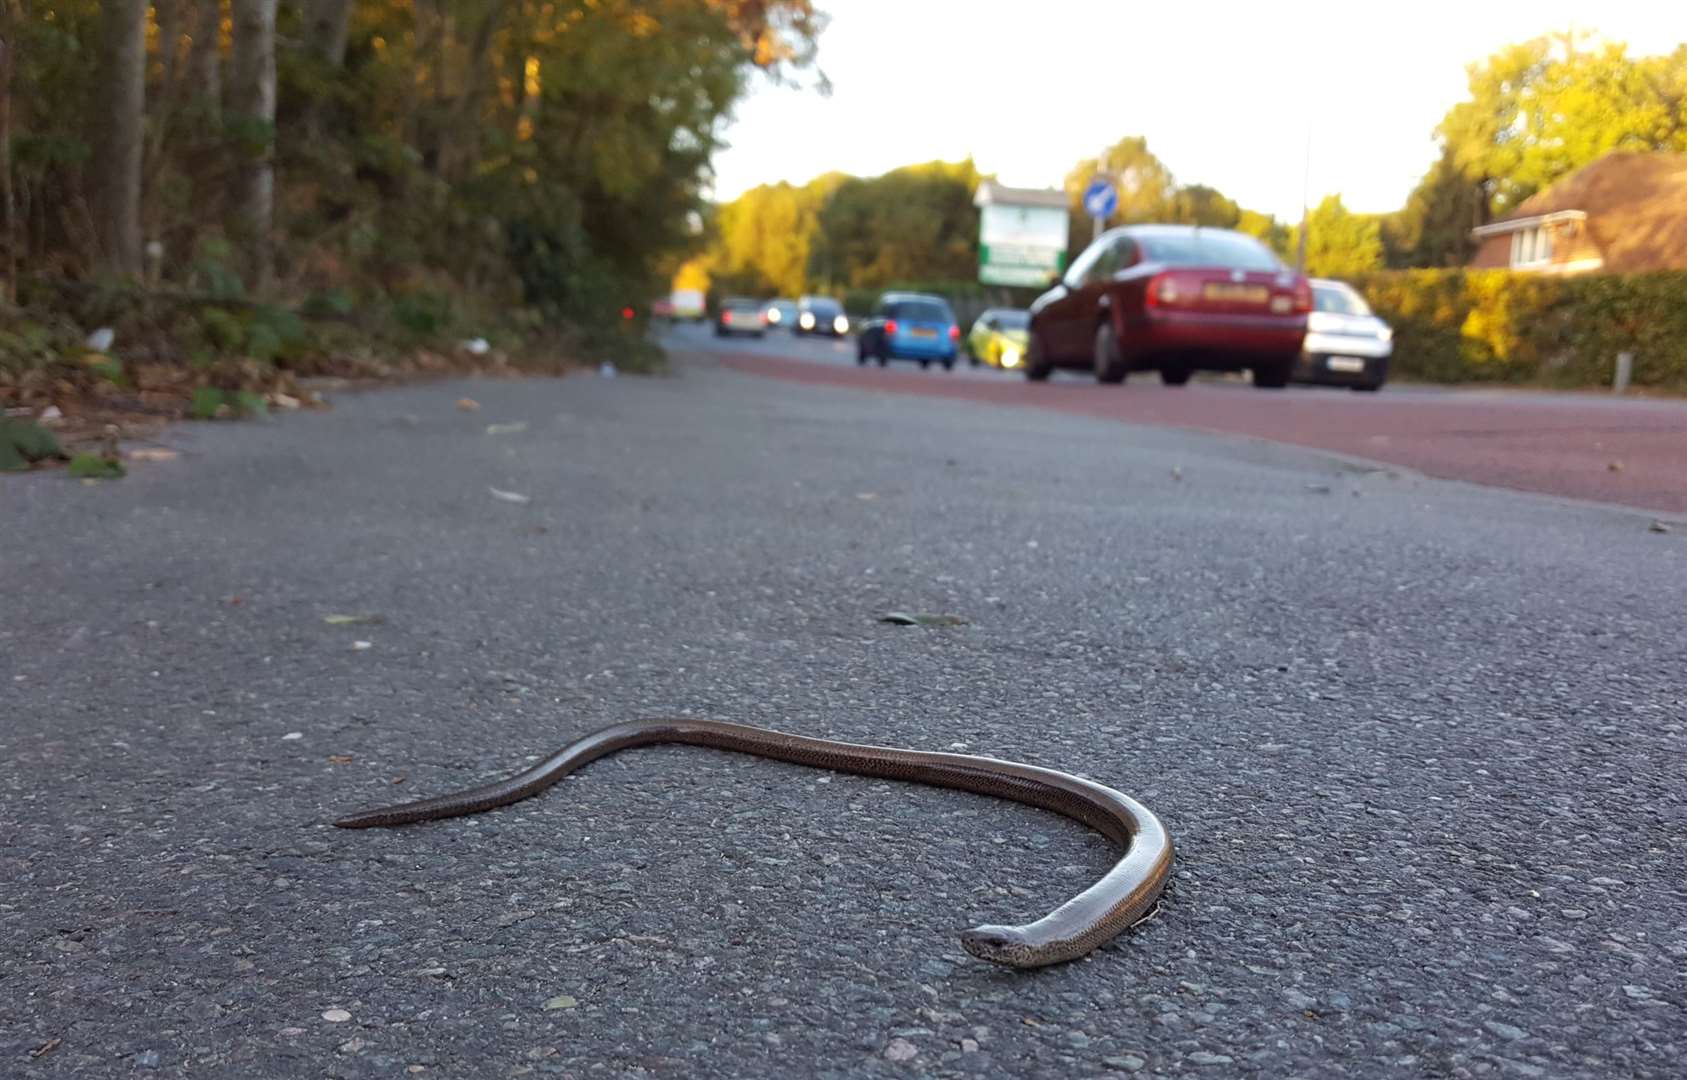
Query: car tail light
{"points": [[1303, 298], [726, 316], [890, 326], [627, 313], [954, 333], [1162, 291]]}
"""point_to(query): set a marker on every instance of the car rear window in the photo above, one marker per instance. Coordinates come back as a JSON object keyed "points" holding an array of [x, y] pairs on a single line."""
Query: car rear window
{"points": [[1014, 320], [1338, 300], [824, 307], [920, 311], [1208, 248]]}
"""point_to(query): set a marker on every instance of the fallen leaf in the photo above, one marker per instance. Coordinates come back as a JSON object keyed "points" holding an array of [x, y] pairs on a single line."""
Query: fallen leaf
{"points": [[903, 618], [336, 1016], [507, 429], [1657, 527], [45, 1048], [353, 620], [359, 646], [901, 1050], [1615, 466], [561, 1001], [153, 453], [291, 735], [468, 404], [510, 496], [284, 401], [339, 759], [866, 496], [1321, 489]]}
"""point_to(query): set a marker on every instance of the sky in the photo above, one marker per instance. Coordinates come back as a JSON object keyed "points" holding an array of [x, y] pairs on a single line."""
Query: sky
{"points": [[1230, 97]]}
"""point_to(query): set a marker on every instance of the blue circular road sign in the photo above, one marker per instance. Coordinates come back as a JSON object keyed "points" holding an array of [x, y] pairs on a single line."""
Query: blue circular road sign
{"points": [[1100, 199]]}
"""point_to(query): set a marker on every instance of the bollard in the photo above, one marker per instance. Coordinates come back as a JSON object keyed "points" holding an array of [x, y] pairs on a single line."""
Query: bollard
{"points": [[1625, 370]]}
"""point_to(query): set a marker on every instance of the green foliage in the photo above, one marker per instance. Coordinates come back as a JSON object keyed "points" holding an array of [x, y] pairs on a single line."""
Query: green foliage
{"points": [[1496, 325], [206, 401], [1339, 243], [96, 467], [23, 442]]}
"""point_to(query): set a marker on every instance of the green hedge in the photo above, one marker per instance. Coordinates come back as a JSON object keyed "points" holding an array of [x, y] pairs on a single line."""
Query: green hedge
{"points": [[1500, 326]]}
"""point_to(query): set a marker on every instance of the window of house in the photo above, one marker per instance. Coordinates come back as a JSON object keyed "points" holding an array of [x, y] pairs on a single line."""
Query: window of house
{"points": [[1531, 247]]}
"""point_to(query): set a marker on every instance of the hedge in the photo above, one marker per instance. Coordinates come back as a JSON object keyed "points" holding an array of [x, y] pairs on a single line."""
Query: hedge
{"points": [[1501, 326]]}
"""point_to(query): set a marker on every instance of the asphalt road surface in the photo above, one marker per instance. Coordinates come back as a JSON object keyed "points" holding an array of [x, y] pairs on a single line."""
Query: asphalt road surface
{"points": [[1419, 744], [1591, 446]]}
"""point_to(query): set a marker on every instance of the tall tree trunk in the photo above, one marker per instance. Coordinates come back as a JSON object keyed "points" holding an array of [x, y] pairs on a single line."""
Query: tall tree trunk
{"points": [[252, 97], [329, 22], [117, 130], [9, 27], [205, 61]]}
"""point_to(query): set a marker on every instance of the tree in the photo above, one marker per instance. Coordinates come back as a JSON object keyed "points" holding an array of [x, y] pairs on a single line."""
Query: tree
{"points": [[252, 100], [117, 132], [1433, 229], [1340, 243], [1544, 108], [1198, 204]]}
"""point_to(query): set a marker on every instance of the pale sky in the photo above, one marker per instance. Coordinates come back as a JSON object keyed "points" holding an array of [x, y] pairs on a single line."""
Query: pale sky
{"points": [[1226, 93]]}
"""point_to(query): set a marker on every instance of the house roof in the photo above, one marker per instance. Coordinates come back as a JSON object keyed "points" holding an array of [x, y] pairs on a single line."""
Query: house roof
{"points": [[1636, 207]]}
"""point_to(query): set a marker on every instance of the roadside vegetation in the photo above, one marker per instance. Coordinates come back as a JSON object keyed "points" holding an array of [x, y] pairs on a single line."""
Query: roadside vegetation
{"points": [[203, 201]]}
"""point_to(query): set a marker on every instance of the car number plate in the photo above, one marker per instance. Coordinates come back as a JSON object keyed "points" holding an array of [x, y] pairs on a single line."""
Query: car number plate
{"points": [[1236, 294], [921, 331], [1345, 363]]}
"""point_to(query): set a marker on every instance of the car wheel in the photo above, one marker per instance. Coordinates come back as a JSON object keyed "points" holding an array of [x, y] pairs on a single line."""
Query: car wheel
{"points": [[1368, 388], [1109, 365], [1175, 375], [949, 365], [1037, 363], [1274, 374], [972, 361], [924, 364]]}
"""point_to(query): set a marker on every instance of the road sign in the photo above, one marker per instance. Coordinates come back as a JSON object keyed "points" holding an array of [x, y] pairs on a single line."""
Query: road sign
{"points": [[1100, 198]]}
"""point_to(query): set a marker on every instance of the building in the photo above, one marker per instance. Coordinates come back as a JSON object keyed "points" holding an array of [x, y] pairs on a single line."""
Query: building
{"points": [[1625, 213]]}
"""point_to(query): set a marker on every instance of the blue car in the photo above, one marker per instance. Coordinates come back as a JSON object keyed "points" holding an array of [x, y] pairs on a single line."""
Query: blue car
{"points": [[910, 326]]}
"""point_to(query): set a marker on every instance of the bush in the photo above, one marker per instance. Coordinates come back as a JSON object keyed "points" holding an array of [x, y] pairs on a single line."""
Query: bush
{"points": [[1500, 326]]}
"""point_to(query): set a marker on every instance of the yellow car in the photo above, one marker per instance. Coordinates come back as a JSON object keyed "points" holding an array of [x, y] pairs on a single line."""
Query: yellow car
{"points": [[999, 338]]}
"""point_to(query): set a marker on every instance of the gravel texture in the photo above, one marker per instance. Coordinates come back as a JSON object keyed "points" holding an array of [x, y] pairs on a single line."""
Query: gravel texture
{"points": [[1420, 746]]}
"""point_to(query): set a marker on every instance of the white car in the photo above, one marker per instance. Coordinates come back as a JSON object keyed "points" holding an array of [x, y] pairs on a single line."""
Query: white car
{"points": [[1346, 344]]}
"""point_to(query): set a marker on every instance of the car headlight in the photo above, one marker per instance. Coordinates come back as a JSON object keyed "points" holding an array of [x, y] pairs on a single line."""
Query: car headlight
{"points": [[773, 316], [1010, 356], [806, 321], [1385, 332], [841, 325]]}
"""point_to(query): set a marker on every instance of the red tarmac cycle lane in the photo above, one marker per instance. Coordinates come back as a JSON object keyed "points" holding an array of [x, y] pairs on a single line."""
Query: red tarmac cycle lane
{"points": [[1628, 451]]}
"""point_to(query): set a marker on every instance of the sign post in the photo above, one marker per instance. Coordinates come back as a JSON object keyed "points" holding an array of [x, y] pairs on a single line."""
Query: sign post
{"points": [[1100, 200]]}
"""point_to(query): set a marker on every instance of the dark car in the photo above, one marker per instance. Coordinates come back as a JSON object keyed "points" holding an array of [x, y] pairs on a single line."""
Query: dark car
{"points": [[821, 315], [1172, 298], [739, 316], [910, 326]]}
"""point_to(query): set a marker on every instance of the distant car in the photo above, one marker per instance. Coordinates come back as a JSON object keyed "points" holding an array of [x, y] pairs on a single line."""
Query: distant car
{"points": [[739, 316], [1346, 344], [688, 304], [781, 314], [821, 315], [910, 326], [1176, 298], [998, 338]]}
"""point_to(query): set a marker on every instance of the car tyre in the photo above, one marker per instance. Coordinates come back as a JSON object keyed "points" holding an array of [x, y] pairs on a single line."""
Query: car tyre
{"points": [[924, 364], [1175, 375], [1274, 374], [1037, 364], [949, 365], [1368, 388], [1109, 365]]}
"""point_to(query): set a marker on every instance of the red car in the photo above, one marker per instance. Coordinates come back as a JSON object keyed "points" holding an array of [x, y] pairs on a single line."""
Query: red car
{"points": [[1176, 298]]}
